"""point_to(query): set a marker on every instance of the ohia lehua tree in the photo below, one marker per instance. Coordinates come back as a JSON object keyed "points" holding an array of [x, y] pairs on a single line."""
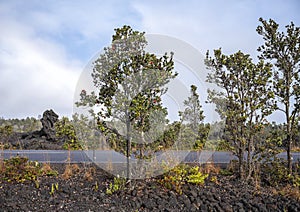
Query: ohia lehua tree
{"points": [[130, 83]]}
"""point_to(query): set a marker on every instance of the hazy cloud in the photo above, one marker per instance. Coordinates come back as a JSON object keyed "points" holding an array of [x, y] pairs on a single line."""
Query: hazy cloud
{"points": [[213, 24], [44, 46]]}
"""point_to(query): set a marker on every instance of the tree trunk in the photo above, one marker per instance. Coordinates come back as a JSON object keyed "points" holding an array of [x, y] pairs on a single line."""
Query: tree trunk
{"points": [[288, 139], [289, 155], [241, 153], [128, 147], [241, 161], [142, 145], [250, 165]]}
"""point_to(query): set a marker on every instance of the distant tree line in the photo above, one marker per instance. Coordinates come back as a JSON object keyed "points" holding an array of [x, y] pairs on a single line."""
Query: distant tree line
{"points": [[28, 124]]}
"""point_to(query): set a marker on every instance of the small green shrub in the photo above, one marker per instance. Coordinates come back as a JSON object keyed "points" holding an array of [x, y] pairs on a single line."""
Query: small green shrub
{"points": [[296, 181], [214, 179], [20, 169], [54, 187], [5, 132], [226, 172], [275, 172], [118, 184], [180, 175], [66, 131], [96, 186], [195, 176]]}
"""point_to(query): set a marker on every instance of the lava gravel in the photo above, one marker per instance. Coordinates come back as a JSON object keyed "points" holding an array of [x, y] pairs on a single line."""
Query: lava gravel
{"points": [[85, 190]]}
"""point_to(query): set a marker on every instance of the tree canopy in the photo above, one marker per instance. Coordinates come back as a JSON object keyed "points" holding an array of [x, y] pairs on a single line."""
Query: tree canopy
{"points": [[130, 83], [283, 50], [246, 99]]}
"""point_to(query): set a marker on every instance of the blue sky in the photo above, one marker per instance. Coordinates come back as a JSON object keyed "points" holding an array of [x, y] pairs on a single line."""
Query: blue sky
{"points": [[45, 45]]}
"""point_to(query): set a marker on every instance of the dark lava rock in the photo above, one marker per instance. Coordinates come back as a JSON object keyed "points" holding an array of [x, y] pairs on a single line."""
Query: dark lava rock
{"points": [[293, 207], [78, 194], [48, 121], [226, 207], [41, 139]]}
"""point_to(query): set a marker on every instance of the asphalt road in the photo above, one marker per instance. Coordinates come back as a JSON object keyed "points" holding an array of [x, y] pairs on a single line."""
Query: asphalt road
{"points": [[105, 156]]}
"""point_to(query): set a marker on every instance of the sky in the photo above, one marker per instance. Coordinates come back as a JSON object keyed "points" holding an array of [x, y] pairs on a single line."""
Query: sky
{"points": [[45, 45]]}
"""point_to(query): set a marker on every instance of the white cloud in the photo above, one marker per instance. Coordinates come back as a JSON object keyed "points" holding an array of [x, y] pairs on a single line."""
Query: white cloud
{"points": [[209, 25], [35, 74], [44, 47], [213, 24]]}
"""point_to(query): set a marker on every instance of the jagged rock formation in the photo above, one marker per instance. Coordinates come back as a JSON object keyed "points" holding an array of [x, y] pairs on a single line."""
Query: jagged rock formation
{"points": [[42, 139], [48, 121]]}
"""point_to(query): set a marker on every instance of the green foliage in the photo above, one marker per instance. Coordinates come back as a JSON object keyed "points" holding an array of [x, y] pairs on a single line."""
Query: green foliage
{"points": [[194, 140], [96, 187], [29, 124], [245, 102], [194, 132], [87, 132], [163, 141], [129, 83], [296, 181], [224, 146], [54, 187], [226, 172], [195, 176], [180, 175], [193, 113], [5, 132], [20, 169], [283, 49], [202, 135], [275, 172], [167, 138], [66, 131], [117, 185]]}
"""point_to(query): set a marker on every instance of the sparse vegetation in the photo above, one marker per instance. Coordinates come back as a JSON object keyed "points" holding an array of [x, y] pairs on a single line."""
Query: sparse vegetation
{"points": [[66, 131], [117, 185], [70, 170], [180, 175], [20, 169], [54, 188]]}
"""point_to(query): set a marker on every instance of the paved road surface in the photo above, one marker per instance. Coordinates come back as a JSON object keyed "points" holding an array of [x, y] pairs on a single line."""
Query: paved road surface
{"points": [[62, 156]]}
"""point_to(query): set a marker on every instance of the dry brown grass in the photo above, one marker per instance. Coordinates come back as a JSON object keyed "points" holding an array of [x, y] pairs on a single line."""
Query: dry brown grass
{"points": [[296, 149], [288, 191], [2, 167], [89, 174], [70, 170], [46, 168], [109, 166], [210, 168]]}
